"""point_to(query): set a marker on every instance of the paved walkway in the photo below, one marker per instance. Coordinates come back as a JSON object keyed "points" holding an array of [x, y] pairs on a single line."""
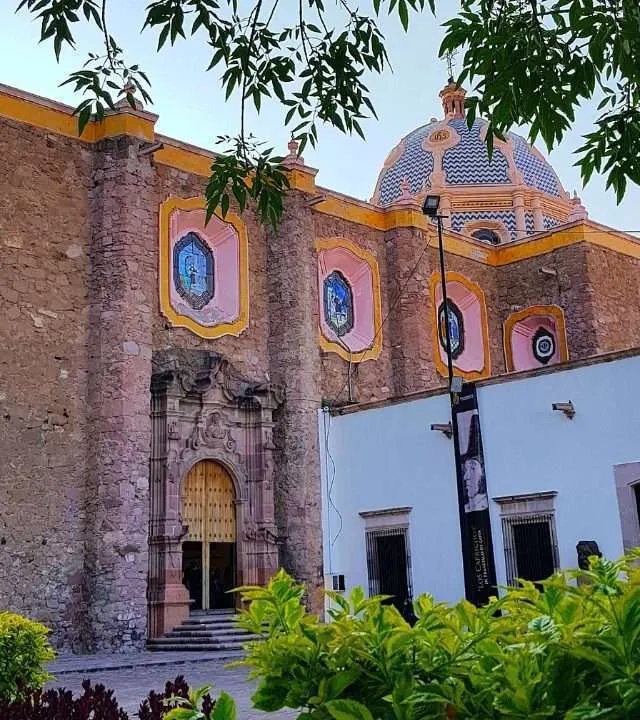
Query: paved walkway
{"points": [[132, 676]]}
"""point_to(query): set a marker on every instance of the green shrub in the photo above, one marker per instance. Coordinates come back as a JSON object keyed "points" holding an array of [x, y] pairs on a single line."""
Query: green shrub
{"points": [[24, 650], [568, 652]]}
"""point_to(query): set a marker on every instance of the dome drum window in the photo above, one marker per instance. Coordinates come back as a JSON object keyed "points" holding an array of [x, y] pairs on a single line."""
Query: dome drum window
{"points": [[486, 235]]}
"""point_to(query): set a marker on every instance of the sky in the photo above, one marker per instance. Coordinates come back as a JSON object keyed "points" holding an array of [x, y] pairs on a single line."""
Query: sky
{"points": [[192, 108]]}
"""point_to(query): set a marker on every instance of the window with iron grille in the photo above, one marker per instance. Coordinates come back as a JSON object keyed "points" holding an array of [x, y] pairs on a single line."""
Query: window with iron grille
{"points": [[529, 537], [389, 565]]}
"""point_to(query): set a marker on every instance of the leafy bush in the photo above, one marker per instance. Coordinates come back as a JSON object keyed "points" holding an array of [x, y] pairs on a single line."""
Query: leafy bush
{"points": [[24, 650], [178, 702], [566, 652], [97, 702]]}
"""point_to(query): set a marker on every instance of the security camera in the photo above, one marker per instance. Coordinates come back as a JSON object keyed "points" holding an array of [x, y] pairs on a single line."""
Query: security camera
{"points": [[444, 428], [566, 408]]}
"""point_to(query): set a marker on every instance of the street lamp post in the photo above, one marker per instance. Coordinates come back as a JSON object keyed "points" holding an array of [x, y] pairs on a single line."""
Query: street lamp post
{"points": [[430, 209]]}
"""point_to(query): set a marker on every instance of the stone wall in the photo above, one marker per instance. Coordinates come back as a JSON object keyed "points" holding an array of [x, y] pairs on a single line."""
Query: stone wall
{"points": [[615, 288], [522, 284], [44, 316]]}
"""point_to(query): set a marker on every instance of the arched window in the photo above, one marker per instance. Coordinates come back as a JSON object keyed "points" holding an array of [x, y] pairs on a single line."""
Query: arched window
{"points": [[486, 235]]}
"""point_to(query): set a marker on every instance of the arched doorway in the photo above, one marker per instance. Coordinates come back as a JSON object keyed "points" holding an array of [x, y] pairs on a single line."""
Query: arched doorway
{"points": [[209, 549]]}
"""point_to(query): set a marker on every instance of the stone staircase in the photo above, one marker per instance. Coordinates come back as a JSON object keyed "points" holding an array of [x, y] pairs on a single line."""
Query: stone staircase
{"points": [[205, 631]]}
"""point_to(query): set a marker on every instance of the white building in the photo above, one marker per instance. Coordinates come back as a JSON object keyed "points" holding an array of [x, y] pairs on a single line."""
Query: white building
{"points": [[386, 472]]}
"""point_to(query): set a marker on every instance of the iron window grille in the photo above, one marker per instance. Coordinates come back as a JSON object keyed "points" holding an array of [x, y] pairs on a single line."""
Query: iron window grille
{"points": [[530, 547], [381, 575]]}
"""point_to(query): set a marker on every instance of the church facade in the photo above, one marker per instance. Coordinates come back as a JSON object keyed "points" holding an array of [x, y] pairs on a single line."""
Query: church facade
{"points": [[160, 378]]}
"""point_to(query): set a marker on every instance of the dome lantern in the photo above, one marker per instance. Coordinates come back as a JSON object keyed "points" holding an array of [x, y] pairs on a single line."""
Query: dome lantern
{"points": [[452, 96]]}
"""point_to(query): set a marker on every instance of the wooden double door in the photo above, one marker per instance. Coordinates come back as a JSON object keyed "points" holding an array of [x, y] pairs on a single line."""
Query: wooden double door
{"points": [[209, 548]]}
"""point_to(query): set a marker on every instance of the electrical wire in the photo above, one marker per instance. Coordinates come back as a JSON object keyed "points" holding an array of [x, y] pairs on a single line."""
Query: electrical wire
{"points": [[330, 483]]}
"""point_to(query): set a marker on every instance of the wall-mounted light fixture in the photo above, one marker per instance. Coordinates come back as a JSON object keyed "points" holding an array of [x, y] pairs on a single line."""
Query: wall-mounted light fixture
{"points": [[566, 408], [444, 428]]}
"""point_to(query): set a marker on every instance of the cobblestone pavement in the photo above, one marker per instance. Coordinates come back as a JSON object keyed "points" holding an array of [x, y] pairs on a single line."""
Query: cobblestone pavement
{"points": [[133, 679]]}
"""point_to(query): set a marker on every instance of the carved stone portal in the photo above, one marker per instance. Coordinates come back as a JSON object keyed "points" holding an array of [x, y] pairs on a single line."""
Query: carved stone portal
{"points": [[202, 409]]}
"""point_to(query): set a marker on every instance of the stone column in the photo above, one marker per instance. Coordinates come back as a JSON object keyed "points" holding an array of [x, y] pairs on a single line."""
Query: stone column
{"points": [[538, 219], [409, 323], [168, 598], [295, 364], [122, 295], [518, 209]]}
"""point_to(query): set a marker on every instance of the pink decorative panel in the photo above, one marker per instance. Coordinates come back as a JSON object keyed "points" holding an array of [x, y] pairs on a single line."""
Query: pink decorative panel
{"points": [[468, 326], [535, 338], [220, 302], [349, 299]]}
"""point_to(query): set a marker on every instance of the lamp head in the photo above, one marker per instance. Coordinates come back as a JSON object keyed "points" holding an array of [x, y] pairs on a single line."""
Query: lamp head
{"points": [[430, 205]]}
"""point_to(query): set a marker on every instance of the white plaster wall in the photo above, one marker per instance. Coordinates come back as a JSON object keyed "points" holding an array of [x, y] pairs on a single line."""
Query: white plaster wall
{"points": [[388, 457]]}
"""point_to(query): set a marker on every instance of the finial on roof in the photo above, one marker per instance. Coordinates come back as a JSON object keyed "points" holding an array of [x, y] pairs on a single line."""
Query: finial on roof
{"points": [[293, 158], [123, 103], [451, 64], [578, 211]]}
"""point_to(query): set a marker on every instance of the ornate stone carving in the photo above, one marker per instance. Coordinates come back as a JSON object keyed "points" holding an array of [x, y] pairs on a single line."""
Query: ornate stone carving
{"points": [[254, 533], [211, 431]]}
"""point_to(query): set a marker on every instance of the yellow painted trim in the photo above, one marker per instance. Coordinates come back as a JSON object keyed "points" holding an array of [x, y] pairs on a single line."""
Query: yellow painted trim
{"points": [[302, 179], [64, 123], [554, 311], [53, 117], [372, 353], [177, 320], [183, 159], [478, 292]]}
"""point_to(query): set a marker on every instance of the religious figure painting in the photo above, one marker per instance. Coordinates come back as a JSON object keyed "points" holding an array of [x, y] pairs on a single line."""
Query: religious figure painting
{"points": [[456, 328], [193, 264], [338, 303]]}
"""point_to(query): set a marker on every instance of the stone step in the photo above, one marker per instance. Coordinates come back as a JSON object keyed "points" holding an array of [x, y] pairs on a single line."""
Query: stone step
{"points": [[210, 639], [226, 619], [198, 643], [190, 632], [233, 649], [214, 625]]}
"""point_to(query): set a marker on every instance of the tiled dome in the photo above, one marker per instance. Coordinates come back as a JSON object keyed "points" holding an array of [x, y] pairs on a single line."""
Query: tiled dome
{"points": [[458, 155]]}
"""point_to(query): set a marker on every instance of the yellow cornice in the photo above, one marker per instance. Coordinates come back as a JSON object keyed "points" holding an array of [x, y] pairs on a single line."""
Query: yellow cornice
{"points": [[58, 118]]}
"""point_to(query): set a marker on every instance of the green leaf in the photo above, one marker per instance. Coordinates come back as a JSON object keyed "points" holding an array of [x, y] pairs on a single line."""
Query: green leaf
{"points": [[224, 709], [348, 710], [182, 713]]}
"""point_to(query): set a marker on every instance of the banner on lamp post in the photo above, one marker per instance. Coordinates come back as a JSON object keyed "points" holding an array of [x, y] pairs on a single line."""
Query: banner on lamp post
{"points": [[473, 498]]}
